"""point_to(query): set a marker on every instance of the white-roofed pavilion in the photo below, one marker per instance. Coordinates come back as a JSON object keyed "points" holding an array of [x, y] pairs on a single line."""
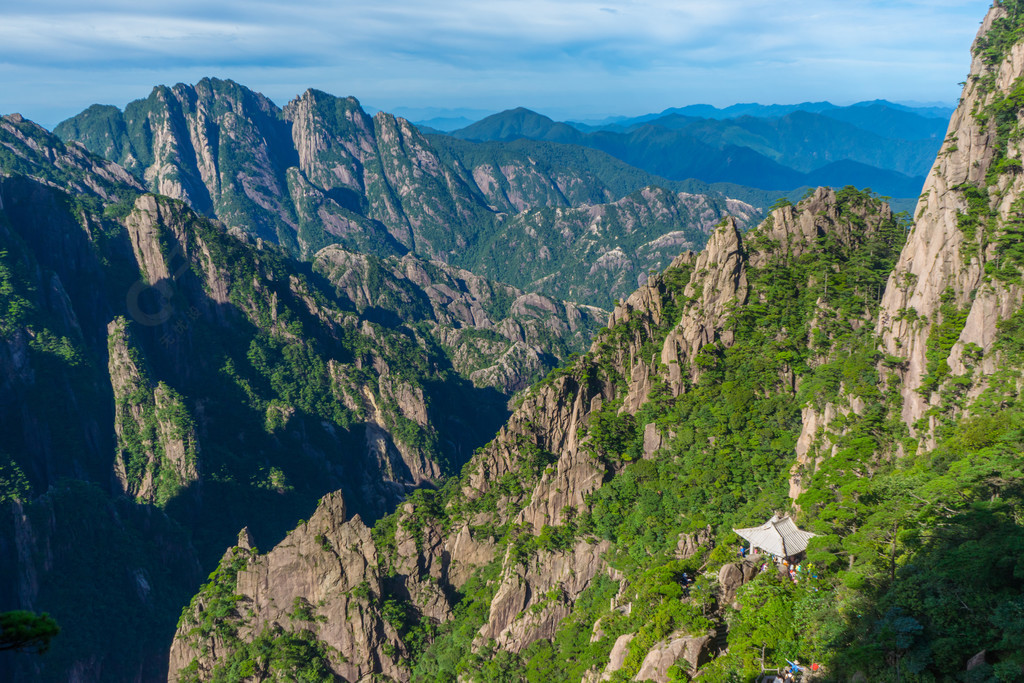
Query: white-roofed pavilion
{"points": [[778, 536]]}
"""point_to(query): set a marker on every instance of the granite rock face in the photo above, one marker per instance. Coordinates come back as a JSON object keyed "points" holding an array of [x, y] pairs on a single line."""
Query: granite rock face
{"points": [[539, 472], [945, 270], [719, 280], [158, 451], [677, 649], [530, 603], [147, 376], [320, 565]]}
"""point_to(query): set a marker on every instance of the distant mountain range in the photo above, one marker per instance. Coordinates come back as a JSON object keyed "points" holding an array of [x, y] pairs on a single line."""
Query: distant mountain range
{"points": [[735, 111], [879, 144], [322, 172]]}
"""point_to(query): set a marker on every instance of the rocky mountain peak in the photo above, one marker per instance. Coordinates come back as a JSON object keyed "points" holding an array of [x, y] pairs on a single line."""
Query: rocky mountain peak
{"points": [[718, 283]]}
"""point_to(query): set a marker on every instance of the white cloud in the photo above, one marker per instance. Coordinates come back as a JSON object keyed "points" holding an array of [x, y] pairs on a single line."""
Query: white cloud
{"points": [[579, 55]]}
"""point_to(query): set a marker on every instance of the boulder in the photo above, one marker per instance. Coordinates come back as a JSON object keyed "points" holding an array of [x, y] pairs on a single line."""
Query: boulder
{"points": [[690, 652], [689, 544], [732, 576], [618, 655]]}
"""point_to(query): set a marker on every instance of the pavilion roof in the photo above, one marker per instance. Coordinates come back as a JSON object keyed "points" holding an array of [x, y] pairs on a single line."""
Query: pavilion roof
{"points": [[778, 536]]}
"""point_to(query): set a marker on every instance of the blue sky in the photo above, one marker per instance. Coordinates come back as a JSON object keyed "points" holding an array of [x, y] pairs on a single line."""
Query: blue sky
{"points": [[566, 58]]}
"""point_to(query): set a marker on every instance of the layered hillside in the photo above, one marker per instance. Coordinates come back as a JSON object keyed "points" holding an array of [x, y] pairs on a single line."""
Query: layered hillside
{"points": [[601, 253], [322, 172], [165, 381], [570, 173], [775, 371], [495, 335]]}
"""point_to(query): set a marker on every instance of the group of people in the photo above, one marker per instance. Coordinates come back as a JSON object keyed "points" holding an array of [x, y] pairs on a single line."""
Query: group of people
{"points": [[795, 571], [787, 675]]}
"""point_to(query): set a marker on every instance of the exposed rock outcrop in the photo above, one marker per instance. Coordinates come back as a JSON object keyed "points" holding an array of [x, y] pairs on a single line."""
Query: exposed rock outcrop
{"points": [[531, 602], [732, 576], [158, 451], [946, 268], [719, 280], [618, 655], [538, 474], [677, 649], [326, 567]]}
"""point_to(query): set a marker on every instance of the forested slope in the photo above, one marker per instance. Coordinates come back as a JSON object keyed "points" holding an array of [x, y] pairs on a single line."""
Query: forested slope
{"points": [[829, 363]]}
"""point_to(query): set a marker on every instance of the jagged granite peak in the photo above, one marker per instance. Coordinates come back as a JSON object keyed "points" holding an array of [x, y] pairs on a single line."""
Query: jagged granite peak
{"points": [[153, 354], [951, 270], [719, 282], [431, 196], [796, 229], [334, 137], [217, 145], [582, 522], [531, 602], [696, 301], [323, 578], [231, 153], [322, 171]]}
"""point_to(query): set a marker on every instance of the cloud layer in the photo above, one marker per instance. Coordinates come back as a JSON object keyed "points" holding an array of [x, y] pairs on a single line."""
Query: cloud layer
{"points": [[577, 58]]}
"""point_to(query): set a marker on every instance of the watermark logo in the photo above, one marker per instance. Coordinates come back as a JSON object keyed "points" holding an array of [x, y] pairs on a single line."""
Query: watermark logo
{"points": [[158, 304]]}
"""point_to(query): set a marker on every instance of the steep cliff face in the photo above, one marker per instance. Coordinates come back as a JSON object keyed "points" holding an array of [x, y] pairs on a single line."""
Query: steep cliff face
{"points": [[725, 286], [383, 169], [158, 452], [202, 293], [221, 148], [173, 364], [60, 260], [318, 172], [133, 565], [591, 538], [959, 275], [322, 580]]}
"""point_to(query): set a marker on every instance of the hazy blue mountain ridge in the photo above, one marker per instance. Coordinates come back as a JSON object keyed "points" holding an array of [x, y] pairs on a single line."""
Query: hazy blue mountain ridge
{"points": [[774, 147]]}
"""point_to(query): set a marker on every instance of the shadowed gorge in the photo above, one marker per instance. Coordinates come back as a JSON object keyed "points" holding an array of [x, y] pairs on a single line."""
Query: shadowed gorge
{"points": [[217, 384]]}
